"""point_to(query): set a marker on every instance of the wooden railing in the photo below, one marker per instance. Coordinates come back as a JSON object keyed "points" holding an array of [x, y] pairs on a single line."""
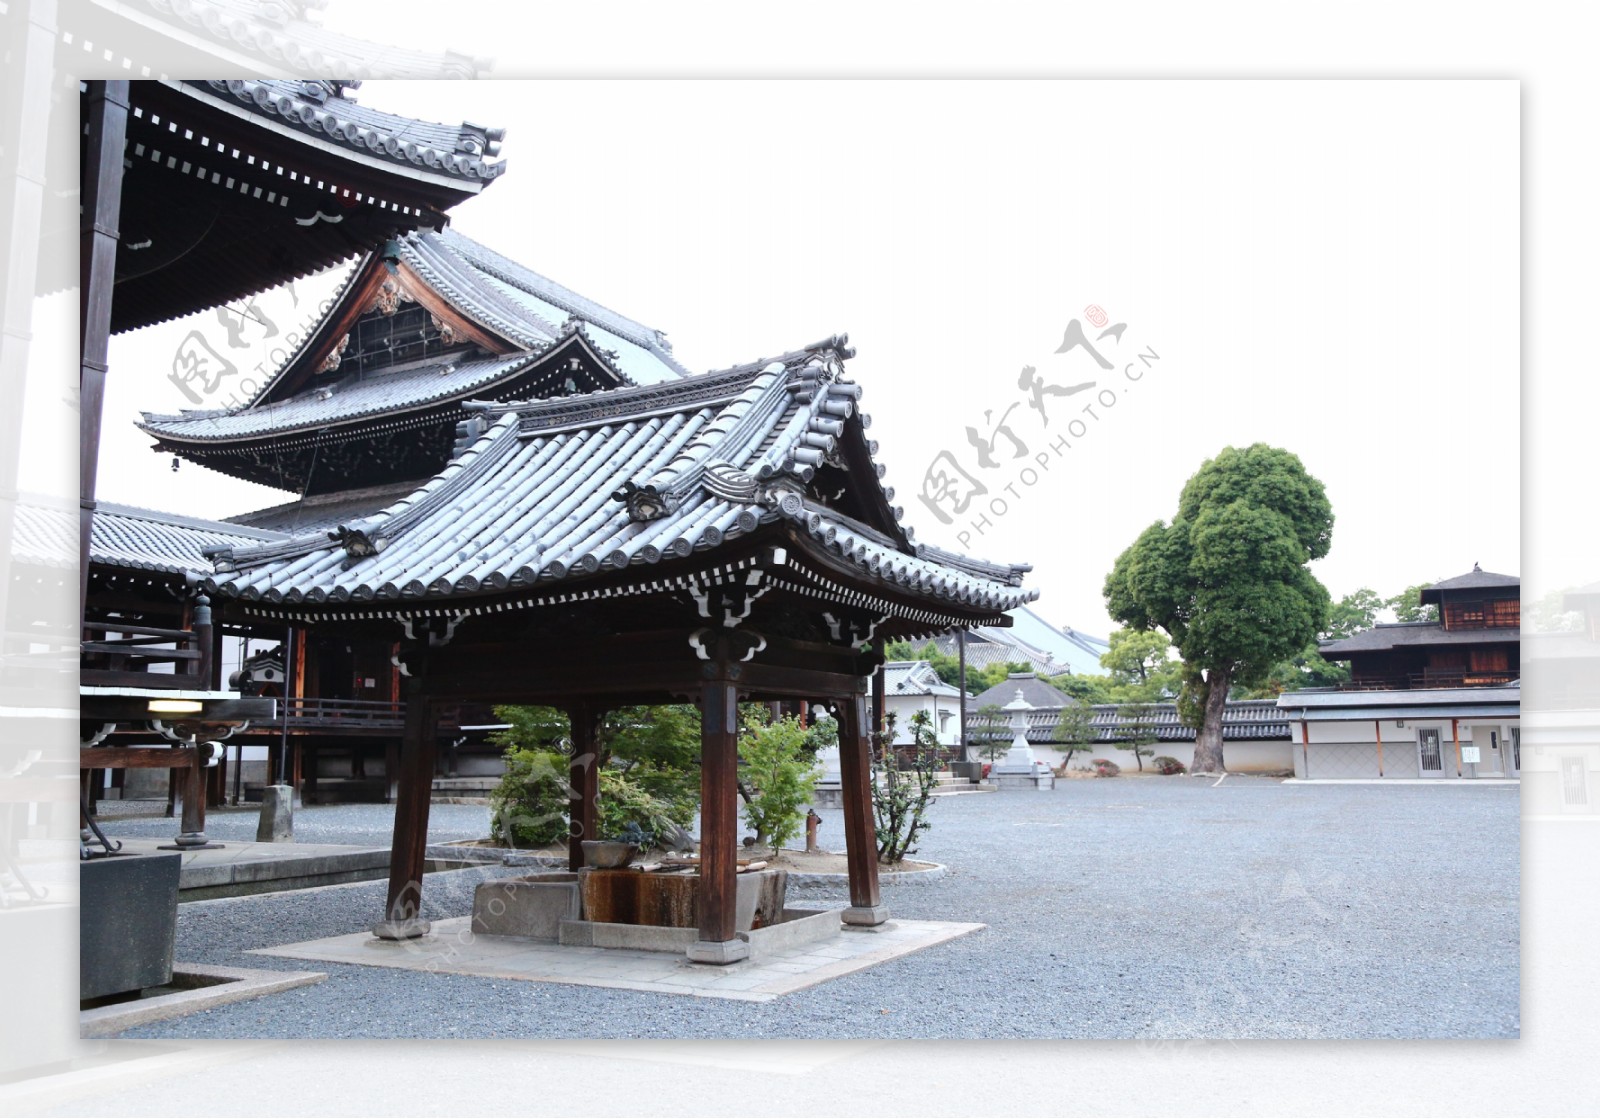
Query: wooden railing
{"points": [[1432, 678], [354, 716], [125, 654]]}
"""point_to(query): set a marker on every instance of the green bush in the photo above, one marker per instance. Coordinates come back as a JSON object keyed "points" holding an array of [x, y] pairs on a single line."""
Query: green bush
{"points": [[529, 807], [624, 801], [1104, 767], [778, 770], [1167, 766]]}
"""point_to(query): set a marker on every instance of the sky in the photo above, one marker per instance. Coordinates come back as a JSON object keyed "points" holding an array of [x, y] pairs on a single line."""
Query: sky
{"points": [[1328, 267]]}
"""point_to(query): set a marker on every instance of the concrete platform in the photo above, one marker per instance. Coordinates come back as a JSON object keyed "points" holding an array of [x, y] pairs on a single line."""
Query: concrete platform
{"points": [[237, 869], [453, 948]]}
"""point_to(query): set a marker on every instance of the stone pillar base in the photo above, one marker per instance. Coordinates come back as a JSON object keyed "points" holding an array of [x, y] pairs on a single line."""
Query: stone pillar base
{"points": [[276, 824], [401, 930], [719, 951], [190, 841], [865, 916]]}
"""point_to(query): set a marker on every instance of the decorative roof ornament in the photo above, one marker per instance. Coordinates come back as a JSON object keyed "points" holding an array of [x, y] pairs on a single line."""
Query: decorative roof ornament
{"points": [[646, 502], [357, 543], [335, 356]]}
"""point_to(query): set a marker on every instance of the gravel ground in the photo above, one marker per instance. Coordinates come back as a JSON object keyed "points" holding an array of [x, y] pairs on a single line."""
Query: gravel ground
{"points": [[1163, 908]]}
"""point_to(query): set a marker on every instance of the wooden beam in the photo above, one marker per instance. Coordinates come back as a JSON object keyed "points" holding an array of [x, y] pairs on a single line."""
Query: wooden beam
{"points": [[584, 774], [135, 757], [860, 836], [409, 849]]}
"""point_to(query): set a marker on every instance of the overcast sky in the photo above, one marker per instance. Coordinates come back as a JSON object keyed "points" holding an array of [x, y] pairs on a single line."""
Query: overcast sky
{"points": [[1329, 267]]}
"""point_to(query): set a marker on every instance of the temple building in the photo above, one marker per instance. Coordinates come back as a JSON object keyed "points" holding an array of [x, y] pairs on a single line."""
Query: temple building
{"points": [[506, 493], [1425, 700]]}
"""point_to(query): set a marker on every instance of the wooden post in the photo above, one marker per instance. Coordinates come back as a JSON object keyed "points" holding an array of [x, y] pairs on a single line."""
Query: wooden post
{"points": [[719, 820], [1455, 736], [961, 653], [100, 207], [409, 853], [1305, 746], [191, 779], [584, 775], [1377, 724], [860, 837]]}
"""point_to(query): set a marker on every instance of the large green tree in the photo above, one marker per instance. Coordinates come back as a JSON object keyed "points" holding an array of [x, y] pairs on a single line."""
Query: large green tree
{"points": [[1227, 579]]}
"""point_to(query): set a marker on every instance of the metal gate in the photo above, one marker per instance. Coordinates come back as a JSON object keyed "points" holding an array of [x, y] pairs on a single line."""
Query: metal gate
{"points": [[1430, 753]]}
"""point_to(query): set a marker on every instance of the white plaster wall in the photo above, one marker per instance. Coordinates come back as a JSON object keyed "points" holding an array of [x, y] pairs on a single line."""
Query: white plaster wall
{"points": [[1237, 757]]}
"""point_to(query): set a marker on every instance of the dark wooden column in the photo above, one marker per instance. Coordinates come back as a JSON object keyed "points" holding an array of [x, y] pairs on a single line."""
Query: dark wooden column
{"points": [[860, 837], [584, 774], [409, 853], [101, 208], [719, 820]]}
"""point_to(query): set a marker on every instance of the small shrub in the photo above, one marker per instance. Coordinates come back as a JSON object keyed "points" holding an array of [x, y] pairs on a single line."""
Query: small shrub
{"points": [[1105, 767], [1167, 766], [528, 808], [629, 812], [780, 773]]}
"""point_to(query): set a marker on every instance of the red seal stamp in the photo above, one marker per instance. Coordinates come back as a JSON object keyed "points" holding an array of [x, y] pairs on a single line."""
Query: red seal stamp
{"points": [[1095, 315]]}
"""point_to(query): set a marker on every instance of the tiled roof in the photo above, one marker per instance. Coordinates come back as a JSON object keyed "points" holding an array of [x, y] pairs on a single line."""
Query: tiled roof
{"points": [[1394, 635], [914, 678], [1243, 720], [505, 298], [1034, 691], [314, 108], [46, 533], [345, 402], [570, 487], [987, 645]]}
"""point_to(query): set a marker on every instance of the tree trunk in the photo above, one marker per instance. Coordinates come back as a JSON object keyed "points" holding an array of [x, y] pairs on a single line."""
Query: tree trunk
{"points": [[1208, 739]]}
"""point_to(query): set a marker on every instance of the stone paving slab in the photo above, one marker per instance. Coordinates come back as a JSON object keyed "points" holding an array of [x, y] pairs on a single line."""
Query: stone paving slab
{"points": [[454, 949], [195, 987]]}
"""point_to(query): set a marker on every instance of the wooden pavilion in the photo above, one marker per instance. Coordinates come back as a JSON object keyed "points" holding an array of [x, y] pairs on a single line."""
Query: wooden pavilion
{"points": [[720, 537]]}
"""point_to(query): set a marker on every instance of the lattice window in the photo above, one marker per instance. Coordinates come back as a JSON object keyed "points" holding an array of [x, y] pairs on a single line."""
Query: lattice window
{"points": [[1503, 614]]}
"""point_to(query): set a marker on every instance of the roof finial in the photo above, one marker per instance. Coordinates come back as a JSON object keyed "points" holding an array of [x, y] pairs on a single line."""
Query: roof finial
{"points": [[1475, 566]]}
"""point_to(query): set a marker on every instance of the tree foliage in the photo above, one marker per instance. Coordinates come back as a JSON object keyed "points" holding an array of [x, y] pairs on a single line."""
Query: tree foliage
{"points": [[948, 666], [1408, 607], [1075, 732], [1227, 579], [778, 766]]}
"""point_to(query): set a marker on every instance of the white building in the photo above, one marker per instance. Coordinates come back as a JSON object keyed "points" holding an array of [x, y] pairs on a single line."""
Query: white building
{"points": [[912, 686]]}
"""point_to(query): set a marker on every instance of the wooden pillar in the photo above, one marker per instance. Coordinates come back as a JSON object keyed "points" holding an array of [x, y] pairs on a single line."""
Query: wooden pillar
{"points": [[1455, 736], [409, 852], [719, 821], [1305, 746], [191, 783], [583, 773], [100, 206], [860, 836], [1377, 725]]}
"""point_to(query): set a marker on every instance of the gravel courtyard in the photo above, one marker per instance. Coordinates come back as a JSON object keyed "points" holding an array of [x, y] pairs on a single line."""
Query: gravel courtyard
{"points": [[1153, 908]]}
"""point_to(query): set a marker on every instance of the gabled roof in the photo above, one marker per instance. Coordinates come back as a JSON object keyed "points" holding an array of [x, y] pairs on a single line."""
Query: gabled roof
{"points": [[557, 490], [536, 321], [1475, 580], [988, 645], [1069, 649], [914, 678]]}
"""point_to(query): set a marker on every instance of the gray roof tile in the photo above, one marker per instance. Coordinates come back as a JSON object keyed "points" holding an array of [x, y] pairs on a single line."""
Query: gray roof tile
{"points": [[563, 488]]}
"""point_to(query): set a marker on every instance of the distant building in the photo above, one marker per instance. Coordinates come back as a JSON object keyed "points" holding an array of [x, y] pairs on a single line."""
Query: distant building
{"points": [[1425, 699], [1044, 648], [1561, 763], [913, 686]]}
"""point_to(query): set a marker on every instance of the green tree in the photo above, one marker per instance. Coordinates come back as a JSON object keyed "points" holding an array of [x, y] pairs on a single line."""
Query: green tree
{"points": [[990, 732], [1075, 732], [1550, 615], [1138, 724], [779, 771], [1227, 580], [1084, 688], [1141, 668], [1408, 607]]}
